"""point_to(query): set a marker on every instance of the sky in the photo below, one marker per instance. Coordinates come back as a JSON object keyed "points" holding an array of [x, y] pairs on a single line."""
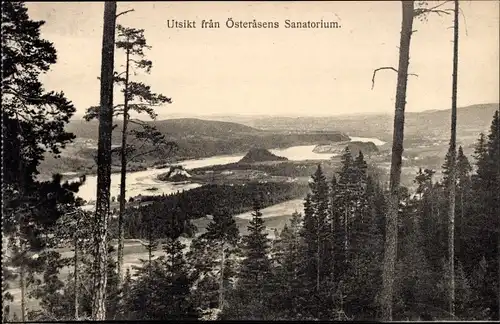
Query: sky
{"points": [[279, 71]]}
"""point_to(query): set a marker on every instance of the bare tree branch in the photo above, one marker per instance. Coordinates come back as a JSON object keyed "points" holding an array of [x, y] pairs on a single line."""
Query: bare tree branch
{"points": [[420, 11], [381, 68], [386, 68], [124, 12], [440, 4], [119, 74], [465, 22], [437, 11]]}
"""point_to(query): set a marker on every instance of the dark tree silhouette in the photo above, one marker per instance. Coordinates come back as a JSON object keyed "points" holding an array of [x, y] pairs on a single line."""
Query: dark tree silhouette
{"points": [[104, 164]]}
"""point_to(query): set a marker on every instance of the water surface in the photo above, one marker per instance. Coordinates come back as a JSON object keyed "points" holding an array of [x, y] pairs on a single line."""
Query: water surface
{"points": [[138, 182]]}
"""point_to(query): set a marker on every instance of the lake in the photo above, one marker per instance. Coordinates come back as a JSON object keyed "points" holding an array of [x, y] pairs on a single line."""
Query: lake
{"points": [[140, 181]]}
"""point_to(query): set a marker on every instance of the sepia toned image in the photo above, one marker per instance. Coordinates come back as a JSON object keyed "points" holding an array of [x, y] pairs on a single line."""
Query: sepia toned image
{"points": [[250, 160]]}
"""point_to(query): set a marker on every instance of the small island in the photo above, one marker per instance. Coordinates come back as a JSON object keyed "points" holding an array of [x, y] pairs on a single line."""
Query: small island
{"points": [[177, 173], [260, 155]]}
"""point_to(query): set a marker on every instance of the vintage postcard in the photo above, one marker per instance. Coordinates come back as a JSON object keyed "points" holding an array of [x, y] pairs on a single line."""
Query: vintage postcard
{"points": [[250, 160]]}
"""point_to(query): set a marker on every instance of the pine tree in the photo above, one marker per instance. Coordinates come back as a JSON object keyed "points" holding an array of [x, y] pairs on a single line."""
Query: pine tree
{"points": [[28, 127], [453, 154], [397, 153], [223, 235], [104, 164], [72, 229], [178, 304], [361, 167], [464, 184], [163, 291], [446, 167], [480, 154], [33, 122], [132, 41], [479, 284], [427, 213], [52, 305], [337, 230], [138, 98], [202, 260], [252, 287], [289, 298], [415, 277], [365, 238], [316, 228], [151, 236], [486, 206], [349, 188], [493, 205], [362, 216]]}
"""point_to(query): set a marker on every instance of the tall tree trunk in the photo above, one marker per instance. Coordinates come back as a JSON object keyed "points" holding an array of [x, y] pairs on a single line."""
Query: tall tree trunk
{"points": [[104, 164], [221, 282], [75, 273], [346, 243], [452, 175], [150, 258], [397, 152], [123, 172], [22, 283], [332, 241], [498, 213], [318, 260]]}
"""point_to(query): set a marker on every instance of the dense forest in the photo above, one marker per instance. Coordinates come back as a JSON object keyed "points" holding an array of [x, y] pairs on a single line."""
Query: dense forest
{"points": [[292, 169], [325, 264], [170, 215], [283, 169]]}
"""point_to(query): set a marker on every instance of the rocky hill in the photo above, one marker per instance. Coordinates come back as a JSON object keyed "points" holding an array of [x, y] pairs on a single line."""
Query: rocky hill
{"points": [[260, 155]]}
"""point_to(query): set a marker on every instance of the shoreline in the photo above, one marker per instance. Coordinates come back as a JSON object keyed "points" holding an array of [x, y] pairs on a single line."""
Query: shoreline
{"points": [[151, 166], [76, 174]]}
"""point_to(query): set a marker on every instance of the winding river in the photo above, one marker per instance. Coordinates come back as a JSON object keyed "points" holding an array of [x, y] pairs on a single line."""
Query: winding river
{"points": [[140, 181]]}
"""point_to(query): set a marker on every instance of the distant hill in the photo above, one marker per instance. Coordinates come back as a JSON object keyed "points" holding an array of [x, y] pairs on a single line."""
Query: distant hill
{"points": [[196, 138], [418, 125], [260, 155], [170, 127], [202, 127], [468, 118], [209, 129]]}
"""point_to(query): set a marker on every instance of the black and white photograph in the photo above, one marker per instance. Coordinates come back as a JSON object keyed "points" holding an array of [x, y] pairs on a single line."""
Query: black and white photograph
{"points": [[250, 160]]}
